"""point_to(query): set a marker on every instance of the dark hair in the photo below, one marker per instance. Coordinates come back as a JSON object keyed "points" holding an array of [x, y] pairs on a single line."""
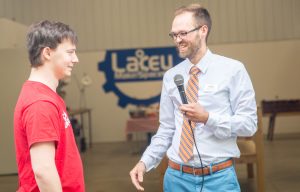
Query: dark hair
{"points": [[46, 34], [201, 15]]}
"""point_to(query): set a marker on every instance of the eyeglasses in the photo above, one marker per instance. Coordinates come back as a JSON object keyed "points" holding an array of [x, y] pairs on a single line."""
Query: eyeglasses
{"points": [[183, 34]]}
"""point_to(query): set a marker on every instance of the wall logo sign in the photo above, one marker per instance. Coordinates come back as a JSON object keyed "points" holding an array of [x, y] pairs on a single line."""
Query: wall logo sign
{"points": [[136, 65]]}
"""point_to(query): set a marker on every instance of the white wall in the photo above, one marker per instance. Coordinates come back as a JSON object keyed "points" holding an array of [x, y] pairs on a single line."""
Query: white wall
{"points": [[12, 34], [15, 69]]}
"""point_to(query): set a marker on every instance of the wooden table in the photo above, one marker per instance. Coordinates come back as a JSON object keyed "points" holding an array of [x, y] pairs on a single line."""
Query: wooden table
{"points": [[148, 125], [273, 108]]}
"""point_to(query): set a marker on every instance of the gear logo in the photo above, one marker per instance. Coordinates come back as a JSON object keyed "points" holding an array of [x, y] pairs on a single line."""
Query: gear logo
{"points": [[136, 65]]}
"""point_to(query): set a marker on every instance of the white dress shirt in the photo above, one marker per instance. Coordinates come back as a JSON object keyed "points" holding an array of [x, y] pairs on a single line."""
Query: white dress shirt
{"points": [[226, 93]]}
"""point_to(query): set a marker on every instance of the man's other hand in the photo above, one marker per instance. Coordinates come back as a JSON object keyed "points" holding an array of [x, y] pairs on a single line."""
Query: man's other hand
{"points": [[137, 174]]}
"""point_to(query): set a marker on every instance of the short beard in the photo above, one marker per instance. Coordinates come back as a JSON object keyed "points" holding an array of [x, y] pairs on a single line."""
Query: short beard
{"points": [[191, 51]]}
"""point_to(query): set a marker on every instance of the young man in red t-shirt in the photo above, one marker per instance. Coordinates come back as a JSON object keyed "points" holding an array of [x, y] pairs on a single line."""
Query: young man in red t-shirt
{"points": [[47, 155]]}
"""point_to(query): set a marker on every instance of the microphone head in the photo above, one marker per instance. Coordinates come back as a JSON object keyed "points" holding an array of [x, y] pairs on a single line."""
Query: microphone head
{"points": [[178, 80]]}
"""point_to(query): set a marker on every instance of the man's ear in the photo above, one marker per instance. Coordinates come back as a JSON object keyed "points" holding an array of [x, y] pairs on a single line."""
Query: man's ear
{"points": [[204, 30], [46, 53]]}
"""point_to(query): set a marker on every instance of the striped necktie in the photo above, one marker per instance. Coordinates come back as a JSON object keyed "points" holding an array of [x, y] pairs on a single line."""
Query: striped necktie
{"points": [[186, 141]]}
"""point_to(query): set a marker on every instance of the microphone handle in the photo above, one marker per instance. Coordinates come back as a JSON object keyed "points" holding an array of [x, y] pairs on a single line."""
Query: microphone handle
{"points": [[184, 101], [183, 97]]}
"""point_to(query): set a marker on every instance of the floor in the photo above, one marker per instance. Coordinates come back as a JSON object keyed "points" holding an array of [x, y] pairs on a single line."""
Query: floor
{"points": [[107, 167]]}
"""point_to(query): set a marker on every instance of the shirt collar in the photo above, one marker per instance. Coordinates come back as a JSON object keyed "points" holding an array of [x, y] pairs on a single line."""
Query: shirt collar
{"points": [[202, 64]]}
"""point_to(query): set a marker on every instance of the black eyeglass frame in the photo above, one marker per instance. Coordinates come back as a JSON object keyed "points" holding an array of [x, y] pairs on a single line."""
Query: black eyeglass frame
{"points": [[183, 34]]}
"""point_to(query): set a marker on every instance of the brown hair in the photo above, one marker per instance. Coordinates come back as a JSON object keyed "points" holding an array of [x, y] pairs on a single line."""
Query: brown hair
{"points": [[46, 34], [201, 15]]}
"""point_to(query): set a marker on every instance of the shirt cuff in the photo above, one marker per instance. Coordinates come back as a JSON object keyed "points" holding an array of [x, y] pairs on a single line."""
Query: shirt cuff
{"points": [[147, 163], [219, 125], [212, 121]]}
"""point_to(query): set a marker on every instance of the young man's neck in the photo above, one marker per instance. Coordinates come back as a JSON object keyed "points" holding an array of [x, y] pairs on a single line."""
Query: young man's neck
{"points": [[43, 76]]}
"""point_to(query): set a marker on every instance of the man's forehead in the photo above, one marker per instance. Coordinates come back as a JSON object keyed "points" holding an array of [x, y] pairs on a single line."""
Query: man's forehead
{"points": [[68, 40], [183, 21], [66, 45]]}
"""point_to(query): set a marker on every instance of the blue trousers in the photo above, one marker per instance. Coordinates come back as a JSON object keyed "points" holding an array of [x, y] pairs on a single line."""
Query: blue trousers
{"points": [[222, 181]]}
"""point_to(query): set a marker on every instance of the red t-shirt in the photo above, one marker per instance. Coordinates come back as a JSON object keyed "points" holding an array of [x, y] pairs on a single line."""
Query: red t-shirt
{"points": [[40, 115]]}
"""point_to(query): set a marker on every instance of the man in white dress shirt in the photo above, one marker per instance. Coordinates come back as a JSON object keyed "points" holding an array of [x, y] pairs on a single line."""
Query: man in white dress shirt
{"points": [[224, 108]]}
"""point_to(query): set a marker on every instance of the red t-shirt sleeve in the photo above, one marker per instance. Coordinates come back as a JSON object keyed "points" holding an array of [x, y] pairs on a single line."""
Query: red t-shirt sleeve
{"points": [[41, 120]]}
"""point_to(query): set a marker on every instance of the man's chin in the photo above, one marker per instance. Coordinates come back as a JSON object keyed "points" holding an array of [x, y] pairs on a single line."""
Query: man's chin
{"points": [[68, 74], [182, 55]]}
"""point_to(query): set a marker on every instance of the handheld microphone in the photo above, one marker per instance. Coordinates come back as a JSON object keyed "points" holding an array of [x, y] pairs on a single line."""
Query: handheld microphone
{"points": [[179, 81]]}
